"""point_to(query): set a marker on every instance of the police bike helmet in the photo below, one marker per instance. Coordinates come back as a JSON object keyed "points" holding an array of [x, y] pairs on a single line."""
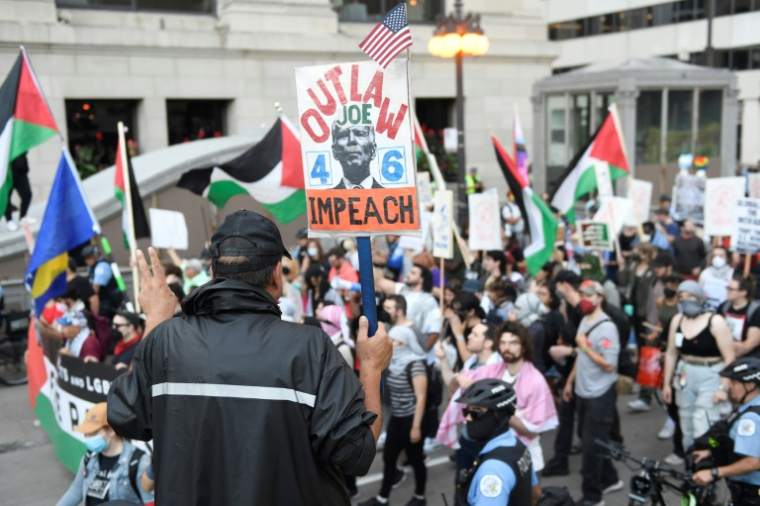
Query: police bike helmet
{"points": [[90, 251], [493, 394], [745, 369]]}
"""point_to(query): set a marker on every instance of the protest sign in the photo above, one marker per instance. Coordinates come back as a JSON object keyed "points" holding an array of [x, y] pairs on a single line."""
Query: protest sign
{"points": [[595, 235], [603, 180], [689, 198], [746, 230], [61, 390], [356, 143], [424, 191], [615, 211], [443, 217], [450, 140], [485, 221], [753, 183], [721, 196], [168, 229], [641, 193], [417, 244]]}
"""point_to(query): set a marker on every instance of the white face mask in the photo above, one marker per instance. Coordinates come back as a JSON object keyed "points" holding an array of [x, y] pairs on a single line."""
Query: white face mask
{"points": [[718, 262], [313, 252]]}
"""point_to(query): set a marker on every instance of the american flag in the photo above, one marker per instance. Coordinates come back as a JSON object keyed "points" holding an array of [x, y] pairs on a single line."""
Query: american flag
{"points": [[389, 37]]}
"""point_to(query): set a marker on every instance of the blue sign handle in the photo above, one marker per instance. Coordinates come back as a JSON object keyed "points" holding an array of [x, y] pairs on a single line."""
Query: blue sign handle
{"points": [[367, 281]]}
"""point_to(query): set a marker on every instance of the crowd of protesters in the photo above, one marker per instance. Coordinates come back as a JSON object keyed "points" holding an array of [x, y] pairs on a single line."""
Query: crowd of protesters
{"points": [[566, 339]]}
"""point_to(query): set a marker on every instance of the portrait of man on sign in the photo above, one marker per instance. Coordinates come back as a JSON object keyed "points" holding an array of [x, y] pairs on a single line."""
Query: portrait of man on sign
{"points": [[354, 147]]}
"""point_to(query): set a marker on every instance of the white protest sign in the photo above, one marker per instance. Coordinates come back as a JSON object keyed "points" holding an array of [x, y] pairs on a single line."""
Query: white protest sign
{"points": [[689, 198], [641, 193], [485, 221], [603, 180], [417, 244], [423, 190], [595, 235], [443, 217], [746, 233], [721, 196], [167, 229], [356, 145], [450, 140], [615, 211], [753, 181]]}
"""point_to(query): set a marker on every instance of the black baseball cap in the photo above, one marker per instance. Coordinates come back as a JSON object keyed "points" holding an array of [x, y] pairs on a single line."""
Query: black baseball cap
{"points": [[569, 277], [247, 234], [302, 234]]}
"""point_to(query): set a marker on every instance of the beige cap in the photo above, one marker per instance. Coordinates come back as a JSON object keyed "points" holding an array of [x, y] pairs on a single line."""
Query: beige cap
{"points": [[95, 419]]}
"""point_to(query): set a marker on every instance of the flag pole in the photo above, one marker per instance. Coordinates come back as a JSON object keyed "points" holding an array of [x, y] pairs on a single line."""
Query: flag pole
{"points": [[130, 215], [616, 118]]}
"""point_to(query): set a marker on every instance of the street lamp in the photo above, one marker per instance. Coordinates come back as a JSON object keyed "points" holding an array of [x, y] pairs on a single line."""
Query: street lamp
{"points": [[457, 36]]}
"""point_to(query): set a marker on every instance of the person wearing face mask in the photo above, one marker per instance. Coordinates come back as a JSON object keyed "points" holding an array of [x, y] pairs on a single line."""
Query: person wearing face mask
{"points": [[110, 469], [699, 344], [714, 280], [592, 382], [406, 382], [128, 327], [689, 252], [503, 472], [528, 312]]}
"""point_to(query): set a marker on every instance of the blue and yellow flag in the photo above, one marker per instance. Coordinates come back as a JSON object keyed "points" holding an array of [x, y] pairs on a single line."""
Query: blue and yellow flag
{"points": [[68, 222]]}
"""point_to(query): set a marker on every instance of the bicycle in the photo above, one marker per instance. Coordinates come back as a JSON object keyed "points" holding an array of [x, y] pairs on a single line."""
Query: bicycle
{"points": [[14, 329], [652, 481]]}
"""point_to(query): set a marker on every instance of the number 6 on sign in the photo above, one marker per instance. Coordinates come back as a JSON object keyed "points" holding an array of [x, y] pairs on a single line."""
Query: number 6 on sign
{"points": [[320, 173], [392, 166]]}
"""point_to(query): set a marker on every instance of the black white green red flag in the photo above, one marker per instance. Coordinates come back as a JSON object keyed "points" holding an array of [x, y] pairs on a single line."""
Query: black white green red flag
{"points": [[539, 219], [271, 172], [139, 218], [25, 119]]}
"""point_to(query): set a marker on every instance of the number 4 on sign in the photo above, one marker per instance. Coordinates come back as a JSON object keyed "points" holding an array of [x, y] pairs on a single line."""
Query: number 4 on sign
{"points": [[319, 170]]}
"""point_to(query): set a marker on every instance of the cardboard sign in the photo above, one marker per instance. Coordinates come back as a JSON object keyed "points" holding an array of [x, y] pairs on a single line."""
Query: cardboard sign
{"points": [[485, 221], [424, 191], [689, 198], [167, 229], [721, 196], [595, 235], [615, 211], [753, 182], [443, 217], [356, 142], [746, 230], [641, 194]]}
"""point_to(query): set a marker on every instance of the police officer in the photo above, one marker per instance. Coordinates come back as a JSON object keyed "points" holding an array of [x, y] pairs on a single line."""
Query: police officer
{"points": [[735, 442], [503, 472], [102, 280], [243, 407]]}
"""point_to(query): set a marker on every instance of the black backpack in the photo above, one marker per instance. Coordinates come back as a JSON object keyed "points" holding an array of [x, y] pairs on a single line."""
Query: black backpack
{"points": [[555, 496], [625, 366], [134, 463], [434, 395]]}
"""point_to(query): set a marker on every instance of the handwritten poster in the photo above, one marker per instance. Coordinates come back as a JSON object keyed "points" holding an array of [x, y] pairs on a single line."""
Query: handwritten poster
{"points": [[746, 230], [443, 217], [641, 194], [721, 196], [485, 221]]}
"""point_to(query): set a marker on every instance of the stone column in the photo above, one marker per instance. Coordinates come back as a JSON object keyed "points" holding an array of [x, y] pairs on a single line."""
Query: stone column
{"points": [[538, 155], [728, 154], [626, 94]]}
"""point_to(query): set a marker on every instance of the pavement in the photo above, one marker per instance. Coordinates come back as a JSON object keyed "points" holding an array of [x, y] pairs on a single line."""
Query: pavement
{"points": [[30, 474]]}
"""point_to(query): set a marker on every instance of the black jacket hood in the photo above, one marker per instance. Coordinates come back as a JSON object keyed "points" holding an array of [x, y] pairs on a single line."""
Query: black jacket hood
{"points": [[222, 295]]}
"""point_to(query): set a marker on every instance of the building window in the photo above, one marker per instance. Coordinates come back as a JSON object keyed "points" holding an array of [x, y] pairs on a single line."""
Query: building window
{"points": [[418, 11], [708, 131], [556, 148], [648, 127], [680, 115], [190, 120], [580, 118], [197, 6], [434, 115], [93, 136], [742, 6]]}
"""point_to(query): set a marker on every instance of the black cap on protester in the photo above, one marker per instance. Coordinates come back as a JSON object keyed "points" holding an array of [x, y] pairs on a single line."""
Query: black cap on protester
{"points": [[569, 277], [663, 259], [302, 234], [247, 234], [472, 286], [665, 198]]}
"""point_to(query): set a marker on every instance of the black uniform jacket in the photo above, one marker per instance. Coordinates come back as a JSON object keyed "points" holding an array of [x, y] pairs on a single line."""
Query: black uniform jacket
{"points": [[243, 408]]}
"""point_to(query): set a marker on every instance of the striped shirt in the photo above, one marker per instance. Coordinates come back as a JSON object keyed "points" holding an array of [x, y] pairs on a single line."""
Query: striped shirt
{"points": [[401, 390]]}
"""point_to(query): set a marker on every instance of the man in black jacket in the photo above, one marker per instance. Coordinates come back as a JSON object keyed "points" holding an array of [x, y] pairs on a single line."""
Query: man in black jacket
{"points": [[245, 408]]}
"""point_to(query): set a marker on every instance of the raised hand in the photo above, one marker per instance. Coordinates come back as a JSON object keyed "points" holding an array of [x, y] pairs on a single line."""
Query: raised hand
{"points": [[156, 299]]}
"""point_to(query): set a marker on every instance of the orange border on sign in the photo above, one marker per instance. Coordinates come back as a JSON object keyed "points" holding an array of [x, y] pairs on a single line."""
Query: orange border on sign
{"points": [[363, 211]]}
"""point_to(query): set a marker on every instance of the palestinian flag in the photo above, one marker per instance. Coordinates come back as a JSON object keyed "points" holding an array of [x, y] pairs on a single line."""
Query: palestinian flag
{"points": [[539, 219], [25, 120], [139, 218], [271, 172], [579, 179], [421, 149]]}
